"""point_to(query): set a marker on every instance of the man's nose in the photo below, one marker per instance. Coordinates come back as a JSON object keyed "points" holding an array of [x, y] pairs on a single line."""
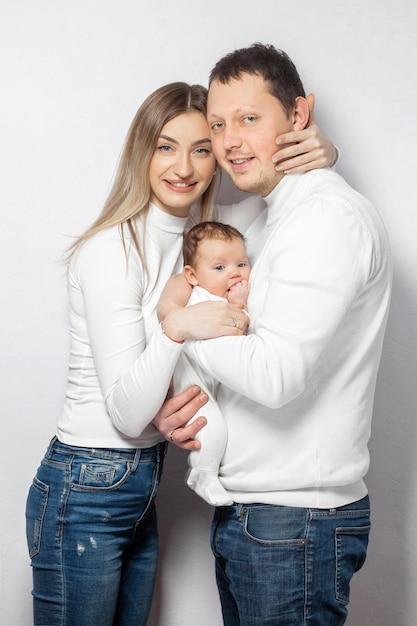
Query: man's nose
{"points": [[231, 138]]}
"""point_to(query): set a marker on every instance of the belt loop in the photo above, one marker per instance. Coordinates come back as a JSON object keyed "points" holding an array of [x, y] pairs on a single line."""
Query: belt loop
{"points": [[136, 458], [48, 452]]}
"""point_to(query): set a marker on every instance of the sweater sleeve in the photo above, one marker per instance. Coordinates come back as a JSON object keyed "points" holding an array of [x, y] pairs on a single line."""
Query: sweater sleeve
{"points": [[313, 265], [133, 377]]}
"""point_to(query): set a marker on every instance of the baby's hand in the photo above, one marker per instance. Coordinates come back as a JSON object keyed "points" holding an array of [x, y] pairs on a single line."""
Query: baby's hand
{"points": [[238, 294]]}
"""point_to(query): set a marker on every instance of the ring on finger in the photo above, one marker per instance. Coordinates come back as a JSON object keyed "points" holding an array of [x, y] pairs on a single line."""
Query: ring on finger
{"points": [[235, 322]]}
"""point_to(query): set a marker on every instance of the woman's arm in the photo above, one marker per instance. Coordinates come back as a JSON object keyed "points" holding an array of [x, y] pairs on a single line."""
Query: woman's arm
{"points": [[304, 150], [175, 294], [134, 374], [181, 322]]}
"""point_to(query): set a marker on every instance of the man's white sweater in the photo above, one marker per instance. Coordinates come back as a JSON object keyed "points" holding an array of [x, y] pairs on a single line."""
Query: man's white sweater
{"points": [[297, 392]]}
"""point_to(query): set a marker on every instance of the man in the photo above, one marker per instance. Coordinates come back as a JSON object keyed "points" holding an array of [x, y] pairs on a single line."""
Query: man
{"points": [[297, 392]]}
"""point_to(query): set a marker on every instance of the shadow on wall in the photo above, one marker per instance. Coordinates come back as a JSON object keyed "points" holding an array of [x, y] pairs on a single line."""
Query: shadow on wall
{"points": [[185, 585], [381, 594]]}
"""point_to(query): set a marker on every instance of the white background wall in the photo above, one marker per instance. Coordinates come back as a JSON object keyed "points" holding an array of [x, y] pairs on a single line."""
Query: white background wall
{"points": [[72, 75]]}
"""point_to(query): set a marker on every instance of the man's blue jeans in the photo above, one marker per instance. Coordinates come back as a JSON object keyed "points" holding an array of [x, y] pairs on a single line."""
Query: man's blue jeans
{"points": [[92, 535], [288, 566]]}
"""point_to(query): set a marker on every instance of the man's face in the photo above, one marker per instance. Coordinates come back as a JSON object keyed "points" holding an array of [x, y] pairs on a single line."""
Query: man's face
{"points": [[244, 120]]}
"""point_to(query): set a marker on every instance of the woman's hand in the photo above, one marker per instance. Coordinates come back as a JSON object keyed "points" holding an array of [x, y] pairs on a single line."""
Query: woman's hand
{"points": [[308, 149], [174, 414], [205, 320]]}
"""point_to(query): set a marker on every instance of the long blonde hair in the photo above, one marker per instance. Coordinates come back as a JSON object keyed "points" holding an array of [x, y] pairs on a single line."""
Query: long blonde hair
{"points": [[130, 193]]}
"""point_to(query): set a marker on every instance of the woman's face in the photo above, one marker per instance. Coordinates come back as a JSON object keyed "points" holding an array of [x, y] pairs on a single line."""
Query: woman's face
{"points": [[182, 165]]}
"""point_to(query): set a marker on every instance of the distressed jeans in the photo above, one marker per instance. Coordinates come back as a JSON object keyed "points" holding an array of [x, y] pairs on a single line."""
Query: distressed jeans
{"points": [[92, 535], [288, 566]]}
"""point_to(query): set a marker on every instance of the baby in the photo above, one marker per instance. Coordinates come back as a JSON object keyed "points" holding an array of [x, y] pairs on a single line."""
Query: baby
{"points": [[217, 267]]}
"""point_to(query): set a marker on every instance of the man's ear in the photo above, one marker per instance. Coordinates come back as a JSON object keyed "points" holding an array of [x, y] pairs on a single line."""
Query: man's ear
{"points": [[301, 113], [311, 101], [190, 275]]}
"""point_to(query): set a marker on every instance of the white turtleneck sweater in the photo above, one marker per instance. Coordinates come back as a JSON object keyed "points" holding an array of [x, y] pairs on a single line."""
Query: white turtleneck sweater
{"points": [[120, 363], [297, 391]]}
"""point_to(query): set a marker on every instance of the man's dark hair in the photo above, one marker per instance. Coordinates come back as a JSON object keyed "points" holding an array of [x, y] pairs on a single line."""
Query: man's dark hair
{"points": [[273, 65]]}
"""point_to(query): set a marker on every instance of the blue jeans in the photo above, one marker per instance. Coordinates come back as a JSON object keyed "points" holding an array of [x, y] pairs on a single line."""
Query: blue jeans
{"points": [[92, 535], [288, 566]]}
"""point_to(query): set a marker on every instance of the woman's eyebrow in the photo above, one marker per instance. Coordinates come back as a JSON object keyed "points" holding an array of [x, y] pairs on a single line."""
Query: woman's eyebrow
{"points": [[195, 143]]}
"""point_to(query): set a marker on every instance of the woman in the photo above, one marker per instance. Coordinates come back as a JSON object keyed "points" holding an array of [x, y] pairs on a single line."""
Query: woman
{"points": [[91, 523]]}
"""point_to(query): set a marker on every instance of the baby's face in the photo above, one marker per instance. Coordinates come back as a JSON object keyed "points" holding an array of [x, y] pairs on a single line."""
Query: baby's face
{"points": [[221, 265]]}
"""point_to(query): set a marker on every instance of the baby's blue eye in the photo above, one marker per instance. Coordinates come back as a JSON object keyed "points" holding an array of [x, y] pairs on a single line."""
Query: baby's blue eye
{"points": [[219, 267]]}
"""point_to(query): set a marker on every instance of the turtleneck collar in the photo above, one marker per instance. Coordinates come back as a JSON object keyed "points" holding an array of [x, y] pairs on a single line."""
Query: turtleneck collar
{"points": [[277, 200], [165, 221]]}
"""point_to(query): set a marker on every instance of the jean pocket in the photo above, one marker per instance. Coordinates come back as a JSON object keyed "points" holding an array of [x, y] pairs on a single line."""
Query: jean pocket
{"points": [[351, 546], [35, 511], [100, 475], [271, 525]]}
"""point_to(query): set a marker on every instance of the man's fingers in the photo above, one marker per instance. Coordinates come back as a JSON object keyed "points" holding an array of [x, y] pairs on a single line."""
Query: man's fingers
{"points": [[176, 412], [185, 413], [178, 401], [183, 437]]}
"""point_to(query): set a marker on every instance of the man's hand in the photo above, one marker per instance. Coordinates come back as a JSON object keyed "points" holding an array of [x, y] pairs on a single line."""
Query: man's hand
{"points": [[171, 420]]}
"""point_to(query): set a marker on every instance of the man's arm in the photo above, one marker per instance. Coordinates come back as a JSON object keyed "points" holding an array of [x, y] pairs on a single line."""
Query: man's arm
{"points": [[303, 285]]}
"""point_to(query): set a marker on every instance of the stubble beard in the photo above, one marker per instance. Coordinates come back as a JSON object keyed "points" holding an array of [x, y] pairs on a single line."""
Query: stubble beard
{"points": [[261, 187]]}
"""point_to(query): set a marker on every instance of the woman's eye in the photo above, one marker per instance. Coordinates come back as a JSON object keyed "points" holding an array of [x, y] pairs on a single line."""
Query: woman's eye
{"points": [[164, 148], [202, 151]]}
